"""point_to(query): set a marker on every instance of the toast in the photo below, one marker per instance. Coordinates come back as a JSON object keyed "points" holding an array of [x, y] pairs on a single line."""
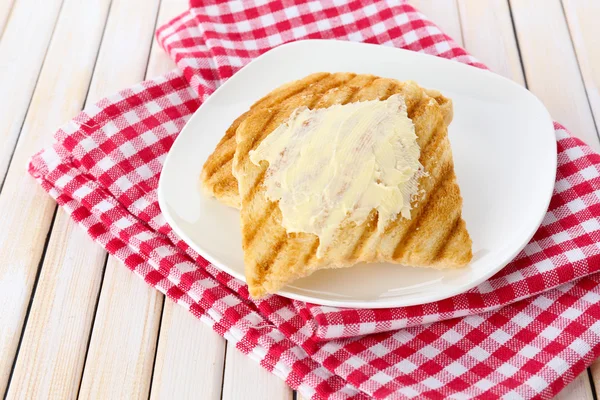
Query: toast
{"points": [[435, 236], [217, 178]]}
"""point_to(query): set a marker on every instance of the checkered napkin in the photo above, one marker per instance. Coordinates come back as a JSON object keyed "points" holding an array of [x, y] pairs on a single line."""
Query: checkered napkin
{"points": [[525, 333]]}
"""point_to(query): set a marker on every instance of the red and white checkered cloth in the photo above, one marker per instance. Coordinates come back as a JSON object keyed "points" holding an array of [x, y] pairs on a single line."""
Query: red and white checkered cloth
{"points": [[525, 333]]}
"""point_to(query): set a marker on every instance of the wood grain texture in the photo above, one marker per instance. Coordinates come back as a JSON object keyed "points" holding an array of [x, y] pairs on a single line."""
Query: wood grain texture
{"points": [[26, 210], [123, 343], [54, 343], [444, 13], [551, 67], [190, 358], [583, 17], [22, 52], [488, 34], [244, 379]]}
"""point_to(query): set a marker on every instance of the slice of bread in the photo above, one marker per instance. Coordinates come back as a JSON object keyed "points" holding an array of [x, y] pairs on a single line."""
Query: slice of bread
{"points": [[435, 236], [217, 177]]}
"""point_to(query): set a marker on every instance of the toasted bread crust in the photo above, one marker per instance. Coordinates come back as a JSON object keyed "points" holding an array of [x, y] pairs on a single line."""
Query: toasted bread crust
{"points": [[435, 236]]}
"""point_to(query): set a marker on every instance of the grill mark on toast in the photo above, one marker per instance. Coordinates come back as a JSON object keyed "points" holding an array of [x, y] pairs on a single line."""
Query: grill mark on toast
{"points": [[301, 85], [447, 237], [252, 191], [268, 267], [249, 196], [353, 91], [266, 101], [436, 140], [251, 234], [439, 128], [371, 91], [211, 166], [224, 185], [312, 253], [414, 223], [392, 90], [266, 263], [348, 87], [427, 156], [316, 97], [285, 264], [355, 94], [371, 223], [420, 105], [255, 138], [219, 161], [370, 227]]}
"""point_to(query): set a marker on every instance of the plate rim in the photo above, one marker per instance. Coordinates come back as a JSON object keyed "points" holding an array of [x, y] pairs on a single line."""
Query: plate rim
{"points": [[383, 302]]}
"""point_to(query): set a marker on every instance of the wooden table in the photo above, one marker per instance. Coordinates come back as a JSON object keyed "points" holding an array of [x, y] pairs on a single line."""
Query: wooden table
{"points": [[75, 323]]}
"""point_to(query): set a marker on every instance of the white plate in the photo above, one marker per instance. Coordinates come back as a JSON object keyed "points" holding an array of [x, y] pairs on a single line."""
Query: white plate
{"points": [[504, 153]]}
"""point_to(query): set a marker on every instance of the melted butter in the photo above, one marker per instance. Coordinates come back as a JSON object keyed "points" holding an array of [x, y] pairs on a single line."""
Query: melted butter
{"points": [[341, 162]]}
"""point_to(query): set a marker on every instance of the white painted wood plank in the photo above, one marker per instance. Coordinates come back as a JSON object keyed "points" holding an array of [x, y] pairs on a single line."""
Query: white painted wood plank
{"points": [[583, 17], [190, 357], [53, 348], [551, 67], [488, 34], [26, 211], [245, 379], [125, 46], [5, 11], [444, 13], [579, 389], [160, 62], [123, 343], [22, 51]]}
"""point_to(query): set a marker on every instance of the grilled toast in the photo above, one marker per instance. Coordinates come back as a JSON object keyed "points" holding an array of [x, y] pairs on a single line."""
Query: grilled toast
{"points": [[435, 236], [217, 177]]}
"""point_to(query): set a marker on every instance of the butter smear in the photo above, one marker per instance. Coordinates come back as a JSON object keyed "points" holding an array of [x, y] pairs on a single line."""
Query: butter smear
{"points": [[337, 163]]}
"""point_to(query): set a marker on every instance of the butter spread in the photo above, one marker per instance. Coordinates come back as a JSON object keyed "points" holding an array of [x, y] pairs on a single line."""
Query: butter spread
{"points": [[326, 165]]}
